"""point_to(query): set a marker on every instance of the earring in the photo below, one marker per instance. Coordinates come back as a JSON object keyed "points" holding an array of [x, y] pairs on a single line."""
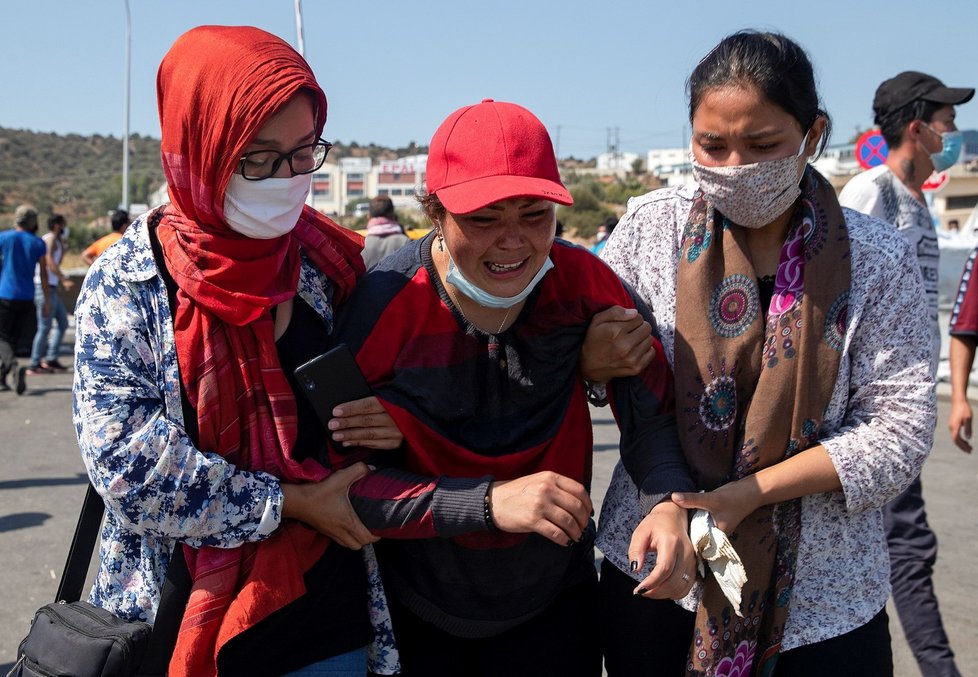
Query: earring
{"points": [[441, 240]]}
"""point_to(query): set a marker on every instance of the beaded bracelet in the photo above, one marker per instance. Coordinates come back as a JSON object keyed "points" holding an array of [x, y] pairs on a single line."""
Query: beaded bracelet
{"points": [[487, 512]]}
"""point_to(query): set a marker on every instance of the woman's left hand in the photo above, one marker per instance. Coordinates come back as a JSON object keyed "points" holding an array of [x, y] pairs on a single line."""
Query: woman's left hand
{"points": [[728, 505], [364, 423], [664, 531]]}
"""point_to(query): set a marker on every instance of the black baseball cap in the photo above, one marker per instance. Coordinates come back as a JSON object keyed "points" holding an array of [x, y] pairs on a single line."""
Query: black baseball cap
{"points": [[910, 86]]}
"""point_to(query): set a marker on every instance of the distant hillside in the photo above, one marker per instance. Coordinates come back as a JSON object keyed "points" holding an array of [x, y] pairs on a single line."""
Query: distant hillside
{"points": [[81, 176]]}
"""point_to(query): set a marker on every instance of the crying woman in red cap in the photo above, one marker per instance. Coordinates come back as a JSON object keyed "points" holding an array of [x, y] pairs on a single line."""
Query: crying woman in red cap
{"points": [[472, 340]]}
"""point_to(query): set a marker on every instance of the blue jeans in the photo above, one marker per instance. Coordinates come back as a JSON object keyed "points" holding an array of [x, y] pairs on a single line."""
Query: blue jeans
{"points": [[42, 341], [350, 664]]}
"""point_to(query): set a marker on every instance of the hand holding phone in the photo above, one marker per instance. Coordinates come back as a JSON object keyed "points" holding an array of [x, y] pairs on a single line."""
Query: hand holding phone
{"points": [[330, 380]]}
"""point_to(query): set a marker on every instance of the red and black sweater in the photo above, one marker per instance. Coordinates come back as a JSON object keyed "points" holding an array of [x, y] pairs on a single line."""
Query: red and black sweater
{"points": [[474, 407]]}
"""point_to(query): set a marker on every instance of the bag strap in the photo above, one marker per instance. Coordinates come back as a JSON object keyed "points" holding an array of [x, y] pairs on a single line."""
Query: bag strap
{"points": [[173, 597], [173, 601], [82, 547]]}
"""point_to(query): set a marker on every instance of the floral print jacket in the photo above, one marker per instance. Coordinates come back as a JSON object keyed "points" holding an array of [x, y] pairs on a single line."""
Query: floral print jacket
{"points": [[879, 422], [157, 487]]}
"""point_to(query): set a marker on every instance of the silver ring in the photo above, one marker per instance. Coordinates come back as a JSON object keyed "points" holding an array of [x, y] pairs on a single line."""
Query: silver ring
{"points": [[685, 577]]}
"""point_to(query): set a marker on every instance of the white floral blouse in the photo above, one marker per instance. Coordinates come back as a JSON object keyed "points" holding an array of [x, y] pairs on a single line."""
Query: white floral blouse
{"points": [[157, 487], [879, 421]]}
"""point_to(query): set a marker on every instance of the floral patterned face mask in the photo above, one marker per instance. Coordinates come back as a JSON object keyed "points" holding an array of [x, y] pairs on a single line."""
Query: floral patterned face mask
{"points": [[752, 195]]}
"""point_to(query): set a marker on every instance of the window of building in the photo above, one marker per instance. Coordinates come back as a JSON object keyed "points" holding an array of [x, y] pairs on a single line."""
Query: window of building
{"points": [[321, 187], [962, 202]]}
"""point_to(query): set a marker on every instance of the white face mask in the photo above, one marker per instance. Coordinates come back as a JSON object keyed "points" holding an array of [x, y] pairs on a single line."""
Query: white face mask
{"points": [[484, 298], [265, 209], [752, 195]]}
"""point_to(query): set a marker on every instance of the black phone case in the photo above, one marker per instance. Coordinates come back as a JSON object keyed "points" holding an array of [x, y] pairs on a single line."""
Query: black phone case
{"points": [[331, 379]]}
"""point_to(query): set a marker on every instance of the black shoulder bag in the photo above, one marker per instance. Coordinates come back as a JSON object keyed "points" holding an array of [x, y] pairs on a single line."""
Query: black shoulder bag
{"points": [[72, 637]]}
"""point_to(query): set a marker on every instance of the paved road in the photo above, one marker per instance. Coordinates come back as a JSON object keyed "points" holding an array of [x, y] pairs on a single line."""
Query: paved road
{"points": [[42, 483]]}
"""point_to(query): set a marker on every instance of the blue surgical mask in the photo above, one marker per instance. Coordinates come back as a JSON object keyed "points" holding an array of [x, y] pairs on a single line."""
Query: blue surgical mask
{"points": [[950, 152], [484, 298]]}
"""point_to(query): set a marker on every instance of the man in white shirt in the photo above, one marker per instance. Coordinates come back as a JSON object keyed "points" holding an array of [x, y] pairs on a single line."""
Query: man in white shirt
{"points": [[915, 114], [45, 348]]}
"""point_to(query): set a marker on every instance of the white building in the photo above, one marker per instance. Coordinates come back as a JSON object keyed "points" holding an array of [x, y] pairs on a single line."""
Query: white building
{"points": [[616, 163], [402, 179], [335, 186], [672, 165], [838, 161]]}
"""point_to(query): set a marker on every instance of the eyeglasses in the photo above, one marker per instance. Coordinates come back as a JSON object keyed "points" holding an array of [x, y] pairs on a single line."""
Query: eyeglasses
{"points": [[262, 164]]}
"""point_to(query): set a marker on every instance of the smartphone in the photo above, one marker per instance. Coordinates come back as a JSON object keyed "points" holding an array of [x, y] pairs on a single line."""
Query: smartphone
{"points": [[331, 379]]}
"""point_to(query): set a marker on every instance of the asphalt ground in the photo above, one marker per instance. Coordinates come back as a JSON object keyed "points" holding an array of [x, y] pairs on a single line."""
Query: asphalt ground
{"points": [[42, 483]]}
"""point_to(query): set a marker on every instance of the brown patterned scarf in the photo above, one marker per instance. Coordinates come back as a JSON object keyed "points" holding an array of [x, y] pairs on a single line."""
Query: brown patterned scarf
{"points": [[751, 393]]}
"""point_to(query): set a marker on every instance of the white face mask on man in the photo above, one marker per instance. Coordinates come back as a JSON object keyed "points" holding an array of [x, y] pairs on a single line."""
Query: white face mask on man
{"points": [[265, 209]]}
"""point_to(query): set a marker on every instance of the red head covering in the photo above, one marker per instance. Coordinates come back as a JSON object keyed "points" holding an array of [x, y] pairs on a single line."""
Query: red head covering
{"points": [[217, 87]]}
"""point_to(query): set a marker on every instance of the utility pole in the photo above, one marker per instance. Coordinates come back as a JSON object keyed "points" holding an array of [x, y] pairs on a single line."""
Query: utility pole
{"points": [[613, 149], [125, 118], [617, 150], [300, 40], [300, 43]]}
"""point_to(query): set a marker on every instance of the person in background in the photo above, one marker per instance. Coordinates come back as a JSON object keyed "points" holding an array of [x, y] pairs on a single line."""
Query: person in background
{"points": [[120, 221], [604, 230], [46, 346], [964, 340], [384, 234], [189, 419], [21, 250], [915, 113], [804, 401], [953, 226], [487, 542]]}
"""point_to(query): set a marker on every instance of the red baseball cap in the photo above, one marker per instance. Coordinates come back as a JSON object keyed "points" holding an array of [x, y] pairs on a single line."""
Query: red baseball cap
{"points": [[492, 151]]}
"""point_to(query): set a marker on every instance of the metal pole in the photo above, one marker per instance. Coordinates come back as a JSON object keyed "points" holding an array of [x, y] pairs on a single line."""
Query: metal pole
{"points": [[298, 28], [125, 115]]}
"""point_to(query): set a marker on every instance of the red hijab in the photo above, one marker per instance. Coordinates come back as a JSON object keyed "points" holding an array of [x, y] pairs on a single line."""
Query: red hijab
{"points": [[217, 86]]}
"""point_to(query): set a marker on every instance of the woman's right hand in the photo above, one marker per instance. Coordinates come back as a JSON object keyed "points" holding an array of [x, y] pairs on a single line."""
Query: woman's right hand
{"points": [[959, 423], [364, 423], [618, 343], [325, 506], [546, 503]]}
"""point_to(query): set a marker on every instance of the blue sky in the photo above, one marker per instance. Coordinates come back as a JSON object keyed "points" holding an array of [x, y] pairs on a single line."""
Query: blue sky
{"points": [[393, 70]]}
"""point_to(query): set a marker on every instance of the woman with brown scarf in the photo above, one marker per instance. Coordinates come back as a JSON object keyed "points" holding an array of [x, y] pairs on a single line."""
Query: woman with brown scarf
{"points": [[188, 332], [797, 333]]}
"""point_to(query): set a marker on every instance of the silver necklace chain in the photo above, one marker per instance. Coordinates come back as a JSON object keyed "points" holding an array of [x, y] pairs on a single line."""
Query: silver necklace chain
{"points": [[459, 306]]}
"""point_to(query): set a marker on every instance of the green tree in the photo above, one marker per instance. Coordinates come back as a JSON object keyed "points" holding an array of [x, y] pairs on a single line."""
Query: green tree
{"points": [[588, 210], [619, 192]]}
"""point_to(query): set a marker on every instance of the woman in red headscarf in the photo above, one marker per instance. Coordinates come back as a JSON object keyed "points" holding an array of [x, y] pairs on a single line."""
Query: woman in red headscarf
{"points": [[188, 332]]}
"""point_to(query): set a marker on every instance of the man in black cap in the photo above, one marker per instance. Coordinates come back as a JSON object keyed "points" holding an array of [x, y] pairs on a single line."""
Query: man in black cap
{"points": [[915, 114]]}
